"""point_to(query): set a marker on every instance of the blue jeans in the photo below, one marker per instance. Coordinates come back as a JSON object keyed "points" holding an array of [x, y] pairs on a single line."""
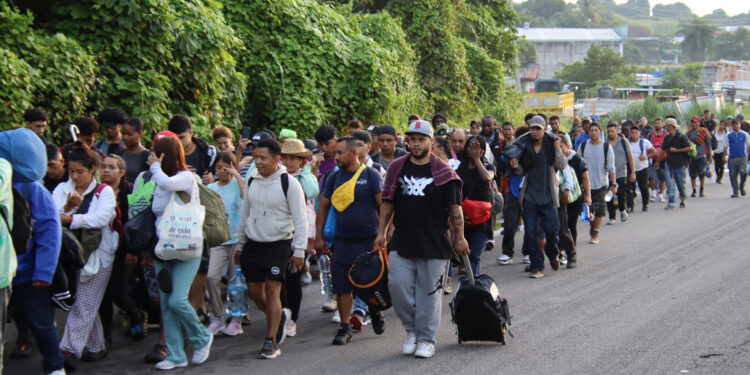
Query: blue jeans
{"points": [[676, 176], [176, 312], [359, 305], [34, 306], [476, 238], [550, 224]]}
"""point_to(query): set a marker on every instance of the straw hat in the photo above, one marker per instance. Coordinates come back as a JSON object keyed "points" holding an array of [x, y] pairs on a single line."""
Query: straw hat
{"points": [[295, 147]]}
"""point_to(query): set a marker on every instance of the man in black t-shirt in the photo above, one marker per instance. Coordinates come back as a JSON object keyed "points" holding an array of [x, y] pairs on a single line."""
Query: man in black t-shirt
{"points": [[676, 146], [422, 195], [356, 228], [199, 155]]}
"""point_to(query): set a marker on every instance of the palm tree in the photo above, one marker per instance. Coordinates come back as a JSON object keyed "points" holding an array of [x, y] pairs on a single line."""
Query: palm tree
{"points": [[590, 10], [699, 38]]}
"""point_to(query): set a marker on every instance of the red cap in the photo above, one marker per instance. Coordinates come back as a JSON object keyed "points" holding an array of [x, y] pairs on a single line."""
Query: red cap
{"points": [[162, 134], [695, 118]]}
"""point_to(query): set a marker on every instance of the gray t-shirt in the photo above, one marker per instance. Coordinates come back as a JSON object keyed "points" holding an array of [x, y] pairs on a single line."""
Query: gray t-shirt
{"points": [[622, 150], [701, 149], [594, 156]]}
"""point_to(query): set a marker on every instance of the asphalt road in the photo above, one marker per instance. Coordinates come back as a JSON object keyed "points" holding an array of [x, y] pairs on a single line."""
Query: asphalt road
{"points": [[664, 293]]}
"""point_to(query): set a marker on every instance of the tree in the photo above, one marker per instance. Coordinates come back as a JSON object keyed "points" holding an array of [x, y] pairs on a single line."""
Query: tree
{"points": [[590, 10], [677, 10], [699, 37], [685, 79], [543, 9], [733, 46], [600, 64], [633, 54], [526, 53]]}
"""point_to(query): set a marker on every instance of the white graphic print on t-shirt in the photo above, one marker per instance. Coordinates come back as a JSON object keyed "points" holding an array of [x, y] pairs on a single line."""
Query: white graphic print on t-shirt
{"points": [[414, 185]]}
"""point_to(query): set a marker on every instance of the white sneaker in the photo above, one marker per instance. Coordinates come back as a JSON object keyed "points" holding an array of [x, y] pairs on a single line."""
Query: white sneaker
{"points": [[168, 365], [234, 328], [504, 260], [653, 196], [425, 350], [58, 372], [336, 318], [201, 355], [216, 325], [661, 198], [306, 278], [527, 259], [330, 305], [623, 216], [611, 222], [410, 344], [291, 328]]}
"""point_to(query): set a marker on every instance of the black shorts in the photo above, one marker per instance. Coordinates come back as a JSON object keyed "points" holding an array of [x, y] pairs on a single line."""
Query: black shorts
{"points": [[344, 255], [261, 261], [598, 205], [697, 167]]}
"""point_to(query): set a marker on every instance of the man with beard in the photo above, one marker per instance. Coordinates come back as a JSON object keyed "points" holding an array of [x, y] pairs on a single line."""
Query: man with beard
{"points": [[422, 194]]}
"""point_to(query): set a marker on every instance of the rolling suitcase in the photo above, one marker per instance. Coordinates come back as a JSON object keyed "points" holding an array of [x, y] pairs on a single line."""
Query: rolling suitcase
{"points": [[478, 310]]}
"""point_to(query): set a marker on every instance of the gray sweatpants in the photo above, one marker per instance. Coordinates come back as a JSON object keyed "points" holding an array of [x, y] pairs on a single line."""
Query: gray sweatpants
{"points": [[416, 287], [737, 168], [220, 258]]}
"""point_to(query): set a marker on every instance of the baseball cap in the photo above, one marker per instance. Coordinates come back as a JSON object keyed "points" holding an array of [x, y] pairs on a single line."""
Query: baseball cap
{"points": [[164, 133], [671, 121], [730, 117], [420, 127], [442, 129], [586, 118], [259, 136], [695, 119], [537, 121], [287, 133], [740, 115]]}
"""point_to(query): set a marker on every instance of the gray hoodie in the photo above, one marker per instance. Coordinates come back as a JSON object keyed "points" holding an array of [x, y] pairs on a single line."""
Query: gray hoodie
{"points": [[267, 216]]}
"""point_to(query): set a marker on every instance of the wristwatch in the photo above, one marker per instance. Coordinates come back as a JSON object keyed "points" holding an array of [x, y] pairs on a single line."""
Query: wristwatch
{"points": [[613, 185]]}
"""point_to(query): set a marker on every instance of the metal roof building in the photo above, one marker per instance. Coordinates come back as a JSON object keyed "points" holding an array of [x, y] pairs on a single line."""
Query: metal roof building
{"points": [[556, 45]]}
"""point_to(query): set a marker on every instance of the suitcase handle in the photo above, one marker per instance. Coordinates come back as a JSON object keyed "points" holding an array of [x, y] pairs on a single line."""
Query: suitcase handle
{"points": [[467, 266]]}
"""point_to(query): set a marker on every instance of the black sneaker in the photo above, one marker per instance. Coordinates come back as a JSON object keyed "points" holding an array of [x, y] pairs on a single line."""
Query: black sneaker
{"points": [[378, 322], [572, 263], [645, 208], [742, 191], [693, 195], [682, 204], [156, 355], [270, 350], [22, 350], [281, 332], [94, 356], [701, 192], [344, 335], [69, 361]]}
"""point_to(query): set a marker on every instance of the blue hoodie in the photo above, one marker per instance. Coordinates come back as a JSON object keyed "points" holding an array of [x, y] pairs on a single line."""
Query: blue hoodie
{"points": [[26, 152]]}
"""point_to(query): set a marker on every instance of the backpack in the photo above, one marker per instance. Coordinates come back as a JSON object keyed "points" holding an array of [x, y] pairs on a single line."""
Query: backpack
{"points": [[284, 183], [575, 193], [216, 222], [90, 238], [605, 148], [369, 278], [23, 225], [140, 230]]}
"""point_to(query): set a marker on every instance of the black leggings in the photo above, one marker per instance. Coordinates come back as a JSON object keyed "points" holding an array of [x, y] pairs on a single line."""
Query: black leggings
{"points": [[574, 211], [118, 293], [291, 296], [641, 177], [719, 163]]}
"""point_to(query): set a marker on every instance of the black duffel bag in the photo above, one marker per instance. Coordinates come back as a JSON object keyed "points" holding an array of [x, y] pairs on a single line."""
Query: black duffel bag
{"points": [[369, 277]]}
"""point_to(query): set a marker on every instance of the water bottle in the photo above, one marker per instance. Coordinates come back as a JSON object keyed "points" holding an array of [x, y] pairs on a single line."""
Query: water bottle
{"points": [[326, 284], [609, 196], [585, 212], [237, 299]]}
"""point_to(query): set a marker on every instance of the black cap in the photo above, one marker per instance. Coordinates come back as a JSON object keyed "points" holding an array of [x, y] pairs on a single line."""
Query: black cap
{"points": [[261, 135]]}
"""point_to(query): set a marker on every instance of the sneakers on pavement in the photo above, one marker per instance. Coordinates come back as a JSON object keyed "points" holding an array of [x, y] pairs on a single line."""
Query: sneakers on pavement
{"points": [[234, 328], [286, 314], [527, 259], [410, 344], [653, 196], [88, 356], [611, 222], [168, 365], [291, 328], [201, 355], [330, 305], [448, 289], [661, 198], [378, 322], [623, 216], [536, 274], [22, 350], [425, 350], [683, 204], [504, 260], [306, 278], [343, 335], [357, 320], [336, 318], [58, 372], [572, 264], [563, 259], [269, 350], [216, 325]]}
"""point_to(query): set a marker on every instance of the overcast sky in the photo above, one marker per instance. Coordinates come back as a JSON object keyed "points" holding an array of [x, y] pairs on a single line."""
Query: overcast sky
{"points": [[703, 7]]}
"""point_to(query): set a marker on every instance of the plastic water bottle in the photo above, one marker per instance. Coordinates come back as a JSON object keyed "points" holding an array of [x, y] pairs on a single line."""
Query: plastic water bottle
{"points": [[237, 298], [609, 196], [585, 213], [326, 284]]}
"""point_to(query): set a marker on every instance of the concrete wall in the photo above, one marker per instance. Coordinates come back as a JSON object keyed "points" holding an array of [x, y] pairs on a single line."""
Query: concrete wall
{"points": [[551, 56]]}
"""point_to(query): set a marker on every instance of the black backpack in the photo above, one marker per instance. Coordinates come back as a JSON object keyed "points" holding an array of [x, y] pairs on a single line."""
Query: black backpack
{"points": [[23, 224], [369, 277]]}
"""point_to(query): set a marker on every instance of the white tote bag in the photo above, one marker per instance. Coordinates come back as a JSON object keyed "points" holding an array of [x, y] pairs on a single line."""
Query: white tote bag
{"points": [[180, 230]]}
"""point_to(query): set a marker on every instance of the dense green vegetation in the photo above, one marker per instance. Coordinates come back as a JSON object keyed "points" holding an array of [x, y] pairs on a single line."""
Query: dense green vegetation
{"points": [[259, 63]]}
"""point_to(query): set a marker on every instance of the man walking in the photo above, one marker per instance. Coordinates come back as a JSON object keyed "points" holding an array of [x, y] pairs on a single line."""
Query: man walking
{"points": [[657, 170], [674, 150], [422, 194], [540, 160], [601, 161], [357, 225], [702, 139], [642, 151], [739, 141], [624, 172], [273, 208]]}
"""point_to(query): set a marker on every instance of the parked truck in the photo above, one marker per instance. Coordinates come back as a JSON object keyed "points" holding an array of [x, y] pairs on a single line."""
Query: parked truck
{"points": [[548, 98]]}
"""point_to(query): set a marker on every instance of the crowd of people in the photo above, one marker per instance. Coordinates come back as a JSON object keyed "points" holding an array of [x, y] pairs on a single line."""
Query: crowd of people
{"points": [[428, 196]]}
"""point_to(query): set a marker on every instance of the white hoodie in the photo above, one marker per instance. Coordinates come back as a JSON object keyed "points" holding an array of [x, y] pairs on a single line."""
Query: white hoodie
{"points": [[269, 217]]}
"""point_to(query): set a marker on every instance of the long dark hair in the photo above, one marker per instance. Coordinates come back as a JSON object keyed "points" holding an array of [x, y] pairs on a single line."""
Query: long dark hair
{"points": [[174, 155]]}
